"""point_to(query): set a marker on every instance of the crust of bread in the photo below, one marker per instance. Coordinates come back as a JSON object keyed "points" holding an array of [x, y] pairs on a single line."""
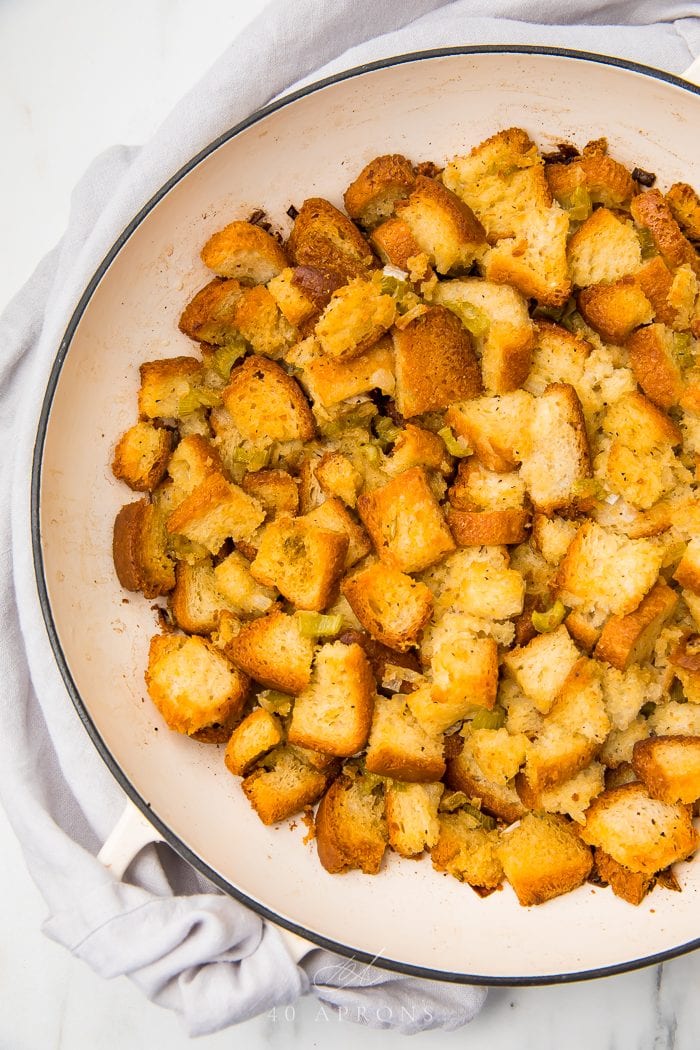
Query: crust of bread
{"points": [[283, 784], [302, 560], [630, 639], [371, 196], [258, 382], [669, 766], [164, 383], [654, 365], [543, 858], [443, 225], [630, 886], [389, 604], [325, 239], [351, 828], [490, 528], [210, 316], [244, 251], [252, 738], [272, 650], [685, 208], [615, 310], [395, 244], [464, 774], [653, 213]]}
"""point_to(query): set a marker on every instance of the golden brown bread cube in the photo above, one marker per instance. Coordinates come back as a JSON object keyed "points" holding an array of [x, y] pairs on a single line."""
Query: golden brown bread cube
{"points": [[615, 310], [300, 559], [630, 886], [502, 328], [629, 639], [196, 601], [215, 511], [571, 797], [497, 427], [604, 248], [193, 460], [210, 316], [605, 180], [642, 833], [535, 260], [405, 522], [337, 476], [243, 594], [688, 570], [273, 651], [685, 208], [655, 365], [412, 816], [416, 447], [325, 239], [652, 212], [260, 382], [332, 515], [542, 666], [395, 245], [467, 851], [141, 456], [476, 528], [351, 829], [669, 767], [282, 785], [164, 384], [296, 302], [392, 606], [356, 317], [333, 713], [330, 381], [435, 363], [252, 738], [477, 488], [192, 684], [276, 490], [543, 858], [443, 225], [261, 323], [463, 773], [244, 251], [139, 550], [371, 196], [399, 747], [558, 458]]}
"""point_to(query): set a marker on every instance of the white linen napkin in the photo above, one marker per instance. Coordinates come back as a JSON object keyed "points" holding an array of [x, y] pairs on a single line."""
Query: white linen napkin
{"points": [[189, 947]]}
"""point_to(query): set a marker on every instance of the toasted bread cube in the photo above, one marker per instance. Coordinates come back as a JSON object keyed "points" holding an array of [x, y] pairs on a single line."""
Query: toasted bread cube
{"points": [[606, 180], [192, 684], [323, 238], [641, 478], [300, 559], [629, 639], [504, 332], [261, 323], [276, 490], [651, 212], [141, 456], [552, 536], [332, 515], [558, 356], [371, 196], [333, 713], [272, 650], [625, 693], [399, 747], [443, 225], [489, 588], [498, 427], [463, 773], [580, 706], [498, 753], [337, 476], [615, 310], [464, 666], [416, 447], [554, 757], [257, 734], [216, 511], [558, 459], [412, 816], [243, 594], [542, 666], [210, 316], [259, 382], [164, 384], [467, 851], [669, 766], [477, 488], [603, 249], [607, 570], [405, 522], [436, 711], [356, 317], [655, 364], [630, 886], [642, 833], [139, 549], [618, 748], [435, 363], [294, 301], [395, 245], [534, 260], [571, 798], [502, 180], [640, 424], [475, 528], [389, 604], [688, 571], [282, 785], [542, 858], [655, 280], [351, 829], [193, 460], [196, 601], [330, 381], [244, 251], [685, 208], [585, 626], [521, 714]]}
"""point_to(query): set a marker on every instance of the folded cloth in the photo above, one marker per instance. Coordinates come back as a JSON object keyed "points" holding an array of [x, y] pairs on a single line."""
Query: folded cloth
{"points": [[187, 946]]}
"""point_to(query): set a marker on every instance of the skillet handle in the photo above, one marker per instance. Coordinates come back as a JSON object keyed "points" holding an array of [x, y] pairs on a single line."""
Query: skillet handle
{"points": [[130, 834], [692, 74]]}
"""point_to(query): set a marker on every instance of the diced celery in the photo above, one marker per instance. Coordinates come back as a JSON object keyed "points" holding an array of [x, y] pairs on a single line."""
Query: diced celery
{"points": [[547, 621], [474, 319], [198, 397], [386, 429], [373, 454], [452, 800], [484, 819], [646, 243], [318, 625], [250, 457], [683, 349], [274, 702], [456, 446], [226, 356], [485, 719], [577, 204]]}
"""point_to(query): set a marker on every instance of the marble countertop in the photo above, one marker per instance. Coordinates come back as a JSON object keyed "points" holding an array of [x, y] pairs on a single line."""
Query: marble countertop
{"points": [[74, 79]]}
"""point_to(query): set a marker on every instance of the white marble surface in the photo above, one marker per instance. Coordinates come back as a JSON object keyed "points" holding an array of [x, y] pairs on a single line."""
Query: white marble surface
{"points": [[76, 77]]}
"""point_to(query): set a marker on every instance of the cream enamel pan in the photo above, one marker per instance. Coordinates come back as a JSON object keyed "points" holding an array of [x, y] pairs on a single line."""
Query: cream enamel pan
{"points": [[429, 106]]}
